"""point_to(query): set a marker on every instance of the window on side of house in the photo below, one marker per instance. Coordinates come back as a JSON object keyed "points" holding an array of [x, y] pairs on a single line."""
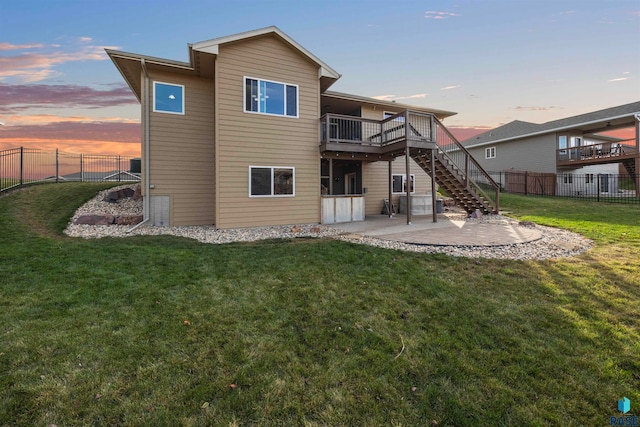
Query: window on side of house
{"points": [[271, 181], [588, 178], [490, 152], [269, 97], [168, 98], [387, 114], [399, 184], [562, 142], [568, 178]]}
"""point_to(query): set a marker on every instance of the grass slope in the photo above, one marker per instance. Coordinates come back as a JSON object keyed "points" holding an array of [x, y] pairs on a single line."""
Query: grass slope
{"points": [[167, 331]]}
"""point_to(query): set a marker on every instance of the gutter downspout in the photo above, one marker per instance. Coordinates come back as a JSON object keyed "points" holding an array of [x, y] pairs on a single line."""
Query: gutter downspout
{"points": [[146, 202]]}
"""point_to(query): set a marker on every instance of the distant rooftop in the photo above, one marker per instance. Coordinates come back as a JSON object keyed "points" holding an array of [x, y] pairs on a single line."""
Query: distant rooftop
{"points": [[597, 121]]}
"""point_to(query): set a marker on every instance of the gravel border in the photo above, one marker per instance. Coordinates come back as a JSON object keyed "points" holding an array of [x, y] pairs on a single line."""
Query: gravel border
{"points": [[554, 243]]}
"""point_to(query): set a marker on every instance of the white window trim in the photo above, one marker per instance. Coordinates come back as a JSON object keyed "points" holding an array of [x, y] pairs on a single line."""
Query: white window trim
{"points": [[404, 179], [168, 84], [272, 168], [244, 97], [489, 151]]}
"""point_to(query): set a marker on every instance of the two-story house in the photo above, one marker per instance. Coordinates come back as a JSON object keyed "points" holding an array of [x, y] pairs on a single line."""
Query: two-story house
{"points": [[247, 134], [577, 147]]}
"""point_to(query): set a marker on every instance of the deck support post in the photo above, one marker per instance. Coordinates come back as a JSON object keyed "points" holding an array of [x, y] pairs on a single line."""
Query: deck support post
{"points": [[434, 197], [390, 208], [407, 181], [331, 177], [637, 159]]}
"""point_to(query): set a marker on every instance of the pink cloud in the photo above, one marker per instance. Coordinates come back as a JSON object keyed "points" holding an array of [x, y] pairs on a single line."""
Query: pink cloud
{"points": [[15, 98], [95, 131], [33, 67], [463, 133], [9, 46]]}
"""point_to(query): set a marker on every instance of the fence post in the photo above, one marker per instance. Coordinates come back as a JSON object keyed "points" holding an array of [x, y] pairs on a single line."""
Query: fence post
{"points": [[526, 183], [598, 189], [57, 167], [118, 168], [81, 170], [21, 165]]}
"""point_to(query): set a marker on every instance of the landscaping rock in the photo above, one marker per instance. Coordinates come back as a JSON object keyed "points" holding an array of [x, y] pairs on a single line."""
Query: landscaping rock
{"points": [[115, 195], [137, 193], [128, 219], [95, 220]]}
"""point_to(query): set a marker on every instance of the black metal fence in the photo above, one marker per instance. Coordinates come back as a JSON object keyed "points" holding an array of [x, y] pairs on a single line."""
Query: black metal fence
{"points": [[22, 166], [602, 187]]}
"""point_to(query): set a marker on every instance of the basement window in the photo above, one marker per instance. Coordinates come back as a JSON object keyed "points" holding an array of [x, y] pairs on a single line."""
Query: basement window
{"points": [[490, 153], [271, 181], [168, 98], [269, 97], [400, 183]]}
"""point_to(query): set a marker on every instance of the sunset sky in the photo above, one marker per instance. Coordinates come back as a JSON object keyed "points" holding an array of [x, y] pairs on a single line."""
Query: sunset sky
{"points": [[492, 61]]}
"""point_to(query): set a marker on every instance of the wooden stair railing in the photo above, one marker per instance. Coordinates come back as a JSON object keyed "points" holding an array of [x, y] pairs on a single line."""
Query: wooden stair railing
{"points": [[448, 177], [457, 171]]}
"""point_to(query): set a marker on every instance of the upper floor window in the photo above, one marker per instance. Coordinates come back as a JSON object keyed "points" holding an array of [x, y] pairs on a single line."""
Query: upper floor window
{"points": [[388, 114], [562, 142], [490, 152], [268, 97], [168, 98]]}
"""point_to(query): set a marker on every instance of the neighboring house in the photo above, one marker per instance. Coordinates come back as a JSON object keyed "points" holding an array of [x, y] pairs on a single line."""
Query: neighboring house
{"points": [[247, 134], [114, 175], [576, 148]]}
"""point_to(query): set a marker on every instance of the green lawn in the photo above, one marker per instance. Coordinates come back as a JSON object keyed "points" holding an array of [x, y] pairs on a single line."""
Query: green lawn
{"points": [[168, 331]]}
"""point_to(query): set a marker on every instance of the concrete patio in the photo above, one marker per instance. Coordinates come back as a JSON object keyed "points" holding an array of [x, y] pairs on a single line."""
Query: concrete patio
{"points": [[450, 230]]}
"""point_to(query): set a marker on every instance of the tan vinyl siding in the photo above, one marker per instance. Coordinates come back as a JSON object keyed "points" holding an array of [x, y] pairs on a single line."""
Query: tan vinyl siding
{"points": [[376, 175], [376, 178], [251, 139], [182, 152]]}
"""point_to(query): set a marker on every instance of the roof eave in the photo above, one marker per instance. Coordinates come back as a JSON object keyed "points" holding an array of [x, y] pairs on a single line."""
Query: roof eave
{"points": [[213, 47], [553, 130], [392, 105]]}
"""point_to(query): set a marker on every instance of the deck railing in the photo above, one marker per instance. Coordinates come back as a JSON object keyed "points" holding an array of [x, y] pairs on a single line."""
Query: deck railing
{"points": [[337, 128], [473, 175], [603, 151], [22, 166], [416, 126]]}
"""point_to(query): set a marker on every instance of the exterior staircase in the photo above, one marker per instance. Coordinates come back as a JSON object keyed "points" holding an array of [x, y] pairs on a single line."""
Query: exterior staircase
{"points": [[426, 140], [630, 166], [449, 177]]}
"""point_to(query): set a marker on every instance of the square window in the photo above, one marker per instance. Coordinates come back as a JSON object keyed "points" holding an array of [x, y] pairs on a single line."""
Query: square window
{"points": [[168, 98], [268, 97], [266, 181], [399, 184], [490, 153]]}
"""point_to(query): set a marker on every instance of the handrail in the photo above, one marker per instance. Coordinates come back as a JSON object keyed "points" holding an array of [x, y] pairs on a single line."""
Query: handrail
{"points": [[22, 165], [467, 162], [404, 126], [604, 150], [407, 124]]}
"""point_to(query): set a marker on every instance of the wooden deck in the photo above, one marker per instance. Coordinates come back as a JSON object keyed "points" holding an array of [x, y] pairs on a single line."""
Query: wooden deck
{"points": [[609, 152]]}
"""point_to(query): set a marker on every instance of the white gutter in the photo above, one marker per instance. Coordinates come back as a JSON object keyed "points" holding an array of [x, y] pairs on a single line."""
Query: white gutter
{"points": [[146, 203], [546, 131]]}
